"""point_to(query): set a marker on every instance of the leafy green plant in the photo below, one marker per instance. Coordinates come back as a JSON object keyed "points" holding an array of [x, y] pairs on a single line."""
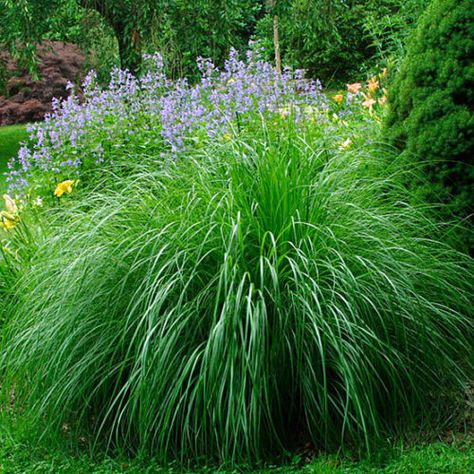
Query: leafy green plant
{"points": [[184, 30], [17, 247], [257, 290], [431, 102], [387, 25]]}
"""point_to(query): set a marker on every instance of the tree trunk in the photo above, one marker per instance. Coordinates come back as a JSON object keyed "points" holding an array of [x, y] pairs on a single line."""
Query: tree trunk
{"points": [[276, 42], [129, 47], [271, 5], [126, 31]]}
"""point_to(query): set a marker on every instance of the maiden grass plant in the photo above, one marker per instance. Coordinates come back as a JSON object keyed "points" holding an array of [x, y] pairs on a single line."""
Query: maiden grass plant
{"points": [[226, 305]]}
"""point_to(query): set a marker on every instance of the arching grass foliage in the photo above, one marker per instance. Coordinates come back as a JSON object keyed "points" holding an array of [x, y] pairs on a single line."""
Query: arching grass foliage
{"points": [[230, 303]]}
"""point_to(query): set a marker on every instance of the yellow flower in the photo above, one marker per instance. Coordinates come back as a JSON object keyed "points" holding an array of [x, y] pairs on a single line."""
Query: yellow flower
{"points": [[383, 100], [372, 84], [354, 88], [10, 204], [338, 98], [8, 220], [65, 187], [226, 137]]}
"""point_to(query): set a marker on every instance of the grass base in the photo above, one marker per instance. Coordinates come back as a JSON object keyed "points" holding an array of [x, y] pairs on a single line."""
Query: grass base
{"points": [[455, 456]]}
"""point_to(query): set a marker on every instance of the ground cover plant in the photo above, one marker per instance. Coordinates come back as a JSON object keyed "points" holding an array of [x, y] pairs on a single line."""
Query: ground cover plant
{"points": [[243, 271]]}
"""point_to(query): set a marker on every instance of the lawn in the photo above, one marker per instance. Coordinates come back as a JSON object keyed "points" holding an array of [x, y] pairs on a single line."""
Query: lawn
{"points": [[439, 457], [10, 138]]}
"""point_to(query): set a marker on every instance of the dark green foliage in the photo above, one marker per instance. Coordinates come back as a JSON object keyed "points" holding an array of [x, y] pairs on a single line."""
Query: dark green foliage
{"points": [[334, 40], [323, 37], [181, 29], [387, 24], [432, 98], [329, 38], [186, 29]]}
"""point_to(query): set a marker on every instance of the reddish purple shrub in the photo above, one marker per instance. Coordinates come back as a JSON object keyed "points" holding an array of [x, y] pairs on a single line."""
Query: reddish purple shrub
{"points": [[27, 100]]}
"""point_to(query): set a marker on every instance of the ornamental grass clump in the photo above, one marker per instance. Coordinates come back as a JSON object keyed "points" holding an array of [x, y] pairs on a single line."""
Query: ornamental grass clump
{"points": [[231, 304]]}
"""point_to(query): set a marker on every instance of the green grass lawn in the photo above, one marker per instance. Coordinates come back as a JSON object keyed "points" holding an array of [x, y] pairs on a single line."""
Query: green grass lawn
{"points": [[10, 138], [456, 457]]}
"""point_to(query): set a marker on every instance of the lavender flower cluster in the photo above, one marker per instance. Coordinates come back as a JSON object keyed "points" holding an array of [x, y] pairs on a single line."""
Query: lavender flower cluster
{"points": [[152, 112]]}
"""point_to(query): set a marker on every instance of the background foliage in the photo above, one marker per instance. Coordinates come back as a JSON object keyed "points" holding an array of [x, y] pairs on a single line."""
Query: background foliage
{"points": [[336, 39], [332, 39]]}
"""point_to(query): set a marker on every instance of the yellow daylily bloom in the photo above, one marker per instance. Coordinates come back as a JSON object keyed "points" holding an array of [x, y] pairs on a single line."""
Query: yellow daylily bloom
{"points": [[8, 220], [338, 98], [354, 88], [10, 204], [65, 187]]}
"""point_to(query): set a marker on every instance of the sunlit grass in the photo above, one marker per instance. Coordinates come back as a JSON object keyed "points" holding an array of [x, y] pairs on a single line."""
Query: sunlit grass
{"points": [[10, 138]]}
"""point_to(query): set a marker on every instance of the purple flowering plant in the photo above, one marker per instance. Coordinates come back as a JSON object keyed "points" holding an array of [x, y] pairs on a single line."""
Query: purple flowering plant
{"points": [[155, 115]]}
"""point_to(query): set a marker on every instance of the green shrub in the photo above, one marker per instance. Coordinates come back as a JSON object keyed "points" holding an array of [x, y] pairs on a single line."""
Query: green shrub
{"points": [[230, 302], [432, 99]]}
